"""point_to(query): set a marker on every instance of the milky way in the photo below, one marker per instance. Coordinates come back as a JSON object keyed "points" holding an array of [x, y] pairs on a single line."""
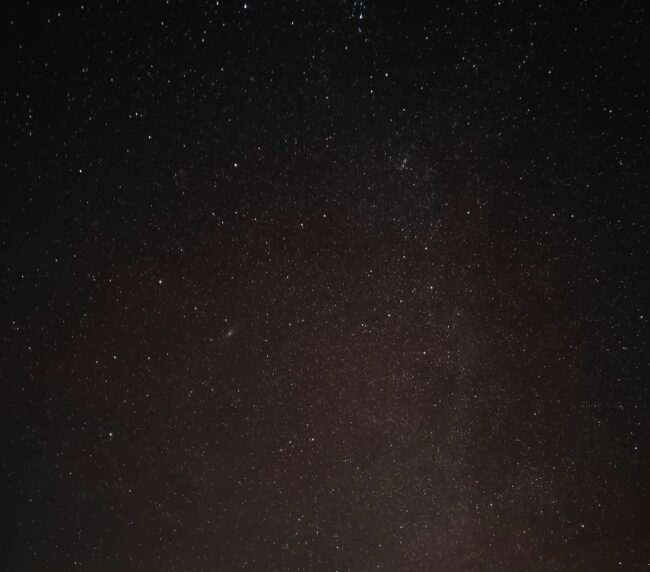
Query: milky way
{"points": [[304, 286]]}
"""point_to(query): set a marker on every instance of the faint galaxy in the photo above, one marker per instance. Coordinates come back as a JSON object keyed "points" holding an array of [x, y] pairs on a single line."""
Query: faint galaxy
{"points": [[325, 286]]}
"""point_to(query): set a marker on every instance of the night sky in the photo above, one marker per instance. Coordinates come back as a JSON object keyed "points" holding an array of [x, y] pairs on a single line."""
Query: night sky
{"points": [[324, 286]]}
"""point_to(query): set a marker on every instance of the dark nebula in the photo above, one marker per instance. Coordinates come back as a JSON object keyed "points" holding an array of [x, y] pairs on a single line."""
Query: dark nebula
{"points": [[325, 286]]}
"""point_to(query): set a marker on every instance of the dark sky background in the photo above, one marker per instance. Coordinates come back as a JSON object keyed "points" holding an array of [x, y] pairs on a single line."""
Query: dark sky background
{"points": [[324, 286]]}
